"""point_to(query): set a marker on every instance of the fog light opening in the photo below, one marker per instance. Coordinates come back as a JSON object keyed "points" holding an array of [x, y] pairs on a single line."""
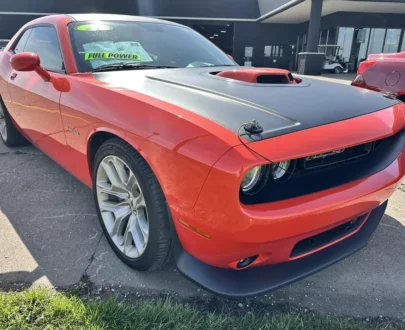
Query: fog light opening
{"points": [[243, 263]]}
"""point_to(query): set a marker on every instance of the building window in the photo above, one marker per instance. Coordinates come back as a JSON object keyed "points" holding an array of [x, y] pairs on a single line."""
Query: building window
{"points": [[323, 37], [345, 40], [363, 37], [273, 51], [392, 41], [403, 43], [332, 36], [376, 41]]}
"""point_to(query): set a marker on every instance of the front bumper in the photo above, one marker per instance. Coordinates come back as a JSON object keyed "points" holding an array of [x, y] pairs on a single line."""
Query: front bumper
{"points": [[272, 230], [220, 230], [257, 280]]}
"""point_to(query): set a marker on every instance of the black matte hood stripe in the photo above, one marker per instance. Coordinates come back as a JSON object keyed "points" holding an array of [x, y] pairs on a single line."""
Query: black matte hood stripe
{"points": [[279, 109]]}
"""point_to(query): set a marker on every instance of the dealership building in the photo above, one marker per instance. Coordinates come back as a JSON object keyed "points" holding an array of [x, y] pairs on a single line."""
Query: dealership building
{"points": [[267, 33]]}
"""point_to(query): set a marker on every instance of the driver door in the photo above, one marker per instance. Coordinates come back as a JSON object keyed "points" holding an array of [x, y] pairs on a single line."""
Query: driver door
{"points": [[35, 102]]}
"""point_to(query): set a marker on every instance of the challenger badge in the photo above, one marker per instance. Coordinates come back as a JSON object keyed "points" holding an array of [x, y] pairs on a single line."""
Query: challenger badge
{"points": [[324, 155]]}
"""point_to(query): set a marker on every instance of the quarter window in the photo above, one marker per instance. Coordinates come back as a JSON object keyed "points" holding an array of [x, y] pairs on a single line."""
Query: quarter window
{"points": [[44, 42]]}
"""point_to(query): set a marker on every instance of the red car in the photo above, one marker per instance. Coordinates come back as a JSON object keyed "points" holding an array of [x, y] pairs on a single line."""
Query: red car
{"points": [[250, 178], [3, 43], [383, 73]]}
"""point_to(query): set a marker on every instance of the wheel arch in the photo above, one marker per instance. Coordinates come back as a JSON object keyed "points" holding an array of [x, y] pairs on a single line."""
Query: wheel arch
{"points": [[3, 104], [101, 135]]}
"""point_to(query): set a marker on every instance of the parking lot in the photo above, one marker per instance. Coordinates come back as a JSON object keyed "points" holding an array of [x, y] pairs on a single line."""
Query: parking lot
{"points": [[50, 236]]}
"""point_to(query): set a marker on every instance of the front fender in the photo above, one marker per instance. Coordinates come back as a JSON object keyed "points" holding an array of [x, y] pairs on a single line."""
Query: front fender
{"points": [[179, 146]]}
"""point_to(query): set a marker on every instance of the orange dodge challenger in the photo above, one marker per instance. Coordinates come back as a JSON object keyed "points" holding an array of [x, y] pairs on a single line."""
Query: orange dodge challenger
{"points": [[251, 178]]}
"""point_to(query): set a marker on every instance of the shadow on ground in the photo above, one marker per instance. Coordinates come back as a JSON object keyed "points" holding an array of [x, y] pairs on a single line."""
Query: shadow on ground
{"points": [[49, 227]]}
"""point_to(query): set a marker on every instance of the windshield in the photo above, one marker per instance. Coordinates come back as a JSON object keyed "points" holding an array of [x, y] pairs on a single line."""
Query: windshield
{"points": [[101, 43]]}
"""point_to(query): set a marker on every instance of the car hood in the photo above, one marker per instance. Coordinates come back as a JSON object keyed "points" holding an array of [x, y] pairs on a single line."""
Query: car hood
{"points": [[279, 108]]}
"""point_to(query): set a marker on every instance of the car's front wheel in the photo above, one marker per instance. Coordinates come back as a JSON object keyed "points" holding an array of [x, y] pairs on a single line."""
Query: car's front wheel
{"points": [[131, 206], [8, 133]]}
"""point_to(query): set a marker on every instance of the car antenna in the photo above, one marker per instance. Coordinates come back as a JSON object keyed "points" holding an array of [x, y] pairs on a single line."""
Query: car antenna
{"points": [[254, 128]]}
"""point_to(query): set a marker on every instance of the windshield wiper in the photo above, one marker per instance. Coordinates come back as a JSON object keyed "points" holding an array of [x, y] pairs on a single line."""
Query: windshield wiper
{"points": [[126, 66], [213, 65]]}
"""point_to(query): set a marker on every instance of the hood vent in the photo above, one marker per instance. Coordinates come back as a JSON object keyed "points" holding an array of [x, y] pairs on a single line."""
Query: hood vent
{"points": [[260, 76]]}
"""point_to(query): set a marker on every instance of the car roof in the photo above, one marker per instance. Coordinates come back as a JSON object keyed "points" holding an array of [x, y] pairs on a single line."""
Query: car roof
{"points": [[113, 17]]}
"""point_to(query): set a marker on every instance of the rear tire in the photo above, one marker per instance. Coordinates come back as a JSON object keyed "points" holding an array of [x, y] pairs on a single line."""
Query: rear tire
{"points": [[131, 206], [8, 132]]}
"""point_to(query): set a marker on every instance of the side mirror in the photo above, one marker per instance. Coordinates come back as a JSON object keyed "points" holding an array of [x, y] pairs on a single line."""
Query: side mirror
{"points": [[26, 62]]}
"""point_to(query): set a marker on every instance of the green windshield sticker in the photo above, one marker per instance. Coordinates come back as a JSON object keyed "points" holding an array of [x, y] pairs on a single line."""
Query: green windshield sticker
{"points": [[94, 27], [103, 52], [111, 56]]}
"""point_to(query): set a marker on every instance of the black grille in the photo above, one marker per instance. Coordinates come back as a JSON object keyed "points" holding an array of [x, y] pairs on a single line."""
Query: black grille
{"points": [[321, 173], [315, 242]]}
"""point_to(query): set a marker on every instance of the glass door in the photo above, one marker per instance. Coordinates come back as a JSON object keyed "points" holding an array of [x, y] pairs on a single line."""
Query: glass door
{"points": [[376, 41], [391, 43], [363, 38], [345, 40]]}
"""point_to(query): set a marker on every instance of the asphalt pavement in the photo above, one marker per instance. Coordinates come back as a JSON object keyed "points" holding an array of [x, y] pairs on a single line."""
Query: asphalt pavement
{"points": [[50, 236]]}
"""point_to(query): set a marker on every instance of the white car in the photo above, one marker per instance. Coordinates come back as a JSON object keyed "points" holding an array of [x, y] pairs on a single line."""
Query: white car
{"points": [[332, 66]]}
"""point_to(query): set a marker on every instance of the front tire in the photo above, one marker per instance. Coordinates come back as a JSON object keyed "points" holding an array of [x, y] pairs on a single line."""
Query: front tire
{"points": [[131, 206], [338, 70], [8, 133]]}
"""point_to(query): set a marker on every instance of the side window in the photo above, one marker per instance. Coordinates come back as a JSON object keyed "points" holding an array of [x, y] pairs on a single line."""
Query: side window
{"points": [[44, 42], [19, 48]]}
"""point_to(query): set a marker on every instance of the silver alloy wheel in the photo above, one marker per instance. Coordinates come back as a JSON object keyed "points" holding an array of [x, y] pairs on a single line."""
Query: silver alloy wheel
{"points": [[122, 206], [3, 128]]}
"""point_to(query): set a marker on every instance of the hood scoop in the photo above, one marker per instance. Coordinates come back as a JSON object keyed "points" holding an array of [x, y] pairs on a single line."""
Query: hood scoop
{"points": [[260, 76]]}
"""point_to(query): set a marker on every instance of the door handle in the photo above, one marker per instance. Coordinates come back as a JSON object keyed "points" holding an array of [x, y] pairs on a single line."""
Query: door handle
{"points": [[13, 76]]}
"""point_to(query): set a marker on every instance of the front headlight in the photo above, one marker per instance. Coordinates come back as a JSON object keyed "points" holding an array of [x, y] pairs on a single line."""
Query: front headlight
{"points": [[281, 171], [254, 179]]}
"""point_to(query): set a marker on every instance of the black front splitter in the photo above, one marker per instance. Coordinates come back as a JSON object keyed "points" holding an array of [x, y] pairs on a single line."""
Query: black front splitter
{"points": [[258, 280]]}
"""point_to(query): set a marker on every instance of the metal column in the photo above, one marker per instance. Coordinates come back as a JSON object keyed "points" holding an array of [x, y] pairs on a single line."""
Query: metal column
{"points": [[314, 26]]}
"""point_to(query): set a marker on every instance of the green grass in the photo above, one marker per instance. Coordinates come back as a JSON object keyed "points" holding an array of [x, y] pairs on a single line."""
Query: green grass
{"points": [[40, 309]]}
